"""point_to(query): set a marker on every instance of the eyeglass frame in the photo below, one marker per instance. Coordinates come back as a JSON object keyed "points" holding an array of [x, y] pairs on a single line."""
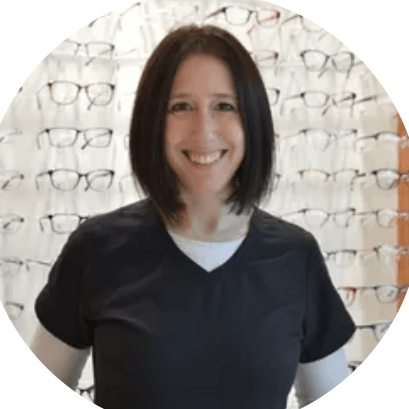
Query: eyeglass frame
{"points": [[77, 131], [401, 252], [328, 98], [329, 215], [355, 289], [14, 132], [90, 391], [87, 44], [399, 214], [16, 218], [333, 137], [18, 261], [79, 87], [21, 308], [373, 327], [329, 175], [400, 138], [327, 58], [80, 175], [402, 176], [51, 217], [16, 175], [249, 13]]}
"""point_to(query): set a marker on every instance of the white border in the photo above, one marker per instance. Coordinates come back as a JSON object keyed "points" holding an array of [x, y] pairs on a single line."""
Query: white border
{"points": [[376, 33]]}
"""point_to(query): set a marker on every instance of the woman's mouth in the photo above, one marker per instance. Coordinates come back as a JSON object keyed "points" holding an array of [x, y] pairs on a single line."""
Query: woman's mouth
{"points": [[204, 159]]}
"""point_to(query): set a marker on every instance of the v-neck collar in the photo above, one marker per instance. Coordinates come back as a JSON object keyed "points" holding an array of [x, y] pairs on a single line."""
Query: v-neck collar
{"points": [[237, 258]]}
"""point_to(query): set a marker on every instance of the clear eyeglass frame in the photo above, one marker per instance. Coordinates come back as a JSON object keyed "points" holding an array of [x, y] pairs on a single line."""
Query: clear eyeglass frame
{"points": [[61, 92], [10, 223], [62, 223], [68, 179], [10, 180], [67, 137]]}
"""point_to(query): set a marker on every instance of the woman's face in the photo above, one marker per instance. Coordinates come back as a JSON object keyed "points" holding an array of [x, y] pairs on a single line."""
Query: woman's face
{"points": [[204, 137]]}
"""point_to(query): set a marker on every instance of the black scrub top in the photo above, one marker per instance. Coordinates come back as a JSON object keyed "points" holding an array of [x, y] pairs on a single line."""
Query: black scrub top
{"points": [[166, 334]]}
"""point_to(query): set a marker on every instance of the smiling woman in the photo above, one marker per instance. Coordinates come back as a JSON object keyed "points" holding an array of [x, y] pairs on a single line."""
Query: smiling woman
{"points": [[195, 297], [184, 106]]}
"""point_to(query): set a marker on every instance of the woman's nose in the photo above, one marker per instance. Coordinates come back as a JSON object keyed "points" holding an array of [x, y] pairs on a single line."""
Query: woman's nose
{"points": [[205, 125]]}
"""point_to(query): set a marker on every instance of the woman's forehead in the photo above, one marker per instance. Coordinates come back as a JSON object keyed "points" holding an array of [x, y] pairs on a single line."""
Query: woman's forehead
{"points": [[203, 72]]}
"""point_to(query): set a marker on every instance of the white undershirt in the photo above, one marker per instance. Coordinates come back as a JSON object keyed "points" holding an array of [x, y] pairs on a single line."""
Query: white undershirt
{"points": [[312, 380]]}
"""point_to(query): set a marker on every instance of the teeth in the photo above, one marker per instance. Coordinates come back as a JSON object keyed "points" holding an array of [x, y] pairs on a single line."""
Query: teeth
{"points": [[204, 159]]}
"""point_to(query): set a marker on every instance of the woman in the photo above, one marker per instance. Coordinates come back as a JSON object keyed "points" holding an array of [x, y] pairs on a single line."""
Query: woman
{"points": [[195, 297]]}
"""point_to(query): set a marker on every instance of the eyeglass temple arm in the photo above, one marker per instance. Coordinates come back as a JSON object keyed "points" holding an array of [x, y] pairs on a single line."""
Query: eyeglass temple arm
{"points": [[215, 13], [274, 16], [37, 95], [287, 99], [39, 175]]}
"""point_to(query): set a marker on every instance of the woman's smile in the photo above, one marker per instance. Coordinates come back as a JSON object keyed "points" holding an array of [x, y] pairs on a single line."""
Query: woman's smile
{"points": [[205, 159]]}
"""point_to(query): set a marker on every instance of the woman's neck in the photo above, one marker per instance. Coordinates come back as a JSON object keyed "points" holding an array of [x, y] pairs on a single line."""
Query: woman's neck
{"points": [[208, 219]]}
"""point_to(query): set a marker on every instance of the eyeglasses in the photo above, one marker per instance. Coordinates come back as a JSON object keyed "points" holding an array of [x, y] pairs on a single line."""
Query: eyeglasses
{"points": [[386, 178], [10, 180], [93, 49], [317, 218], [384, 293], [62, 223], [306, 24], [11, 266], [318, 99], [66, 93], [67, 137], [379, 329], [7, 135], [130, 182], [321, 139], [345, 258], [13, 309], [379, 99], [68, 179], [385, 218], [277, 178], [385, 139], [319, 177], [352, 365], [10, 223], [273, 95], [265, 58], [315, 60], [118, 25], [239, 16], [88, 393]]}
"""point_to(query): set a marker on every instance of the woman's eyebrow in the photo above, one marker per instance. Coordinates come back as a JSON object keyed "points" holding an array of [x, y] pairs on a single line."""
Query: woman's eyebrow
{"points": [[218, 94]]}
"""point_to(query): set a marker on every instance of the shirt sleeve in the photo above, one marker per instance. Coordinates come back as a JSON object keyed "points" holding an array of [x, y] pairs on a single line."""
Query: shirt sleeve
{"points": [[315, 379], [327, 324], [59, 304]]}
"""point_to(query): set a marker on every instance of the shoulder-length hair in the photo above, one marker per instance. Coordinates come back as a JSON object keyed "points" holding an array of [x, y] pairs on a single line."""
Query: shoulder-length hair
{"points": [[254, 179]]}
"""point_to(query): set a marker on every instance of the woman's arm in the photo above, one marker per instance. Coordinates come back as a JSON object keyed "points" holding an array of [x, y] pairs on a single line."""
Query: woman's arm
{"points": [[64, 361], [315, 379]]}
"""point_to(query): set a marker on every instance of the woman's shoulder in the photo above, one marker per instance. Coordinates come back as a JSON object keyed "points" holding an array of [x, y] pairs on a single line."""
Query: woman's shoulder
{"points": [[272, 225], [133, 216]]}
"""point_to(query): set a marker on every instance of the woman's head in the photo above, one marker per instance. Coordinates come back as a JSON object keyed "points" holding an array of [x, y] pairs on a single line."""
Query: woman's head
{"points": [[151, 118]]}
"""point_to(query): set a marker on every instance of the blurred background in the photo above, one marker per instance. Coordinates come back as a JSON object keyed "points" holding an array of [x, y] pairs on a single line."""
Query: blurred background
{"points": [[341, 153]]}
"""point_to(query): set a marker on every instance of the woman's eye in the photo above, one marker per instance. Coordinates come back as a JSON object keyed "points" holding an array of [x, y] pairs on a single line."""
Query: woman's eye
{"points": [[180, 106], [224, 106]]}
